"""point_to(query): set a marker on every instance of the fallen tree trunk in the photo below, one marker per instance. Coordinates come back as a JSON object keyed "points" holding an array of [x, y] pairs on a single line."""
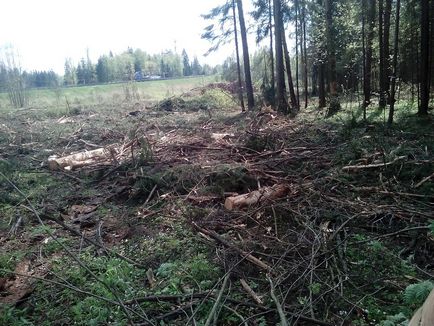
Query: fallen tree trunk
{"points": [[257, 196]]}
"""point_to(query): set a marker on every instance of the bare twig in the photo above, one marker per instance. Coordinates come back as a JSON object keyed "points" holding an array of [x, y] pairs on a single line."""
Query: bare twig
{"points": [[213, 312], [423, 181], [372, 166], [252, 293], [283, 319], [248, 256]]}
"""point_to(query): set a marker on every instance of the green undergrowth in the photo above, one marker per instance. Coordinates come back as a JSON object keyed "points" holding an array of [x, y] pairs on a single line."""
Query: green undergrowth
{"points": [[206, 99], [180, 263], [182, 179], [376, 269]]}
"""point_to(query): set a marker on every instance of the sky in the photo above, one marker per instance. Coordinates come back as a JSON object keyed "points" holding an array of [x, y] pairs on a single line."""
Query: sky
{"points": [[46, 32]]}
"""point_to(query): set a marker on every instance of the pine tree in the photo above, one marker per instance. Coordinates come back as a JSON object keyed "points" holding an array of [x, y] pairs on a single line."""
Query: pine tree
{"points": [[246, 57], [281, 102], [69, 77], [424, 62], [331, 57], [186, 69], [367, 69], [102, 70], [196, 68]]}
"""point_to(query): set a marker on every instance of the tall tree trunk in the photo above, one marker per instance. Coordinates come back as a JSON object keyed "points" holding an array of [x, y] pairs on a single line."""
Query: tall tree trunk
{"points": [[382, 100], [367, 71], [270, 26], [321, 86], [240, 82], [331, 54], [364, 56], [246, 57], [297, 75], [306, 85], [431, 52], [282, 104], [314, 79], [424, 56], [386, 44], [395, 66], [292, 96]]}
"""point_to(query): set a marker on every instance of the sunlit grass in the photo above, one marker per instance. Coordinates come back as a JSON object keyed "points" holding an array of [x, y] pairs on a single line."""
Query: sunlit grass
{"points": [[154, 90]]}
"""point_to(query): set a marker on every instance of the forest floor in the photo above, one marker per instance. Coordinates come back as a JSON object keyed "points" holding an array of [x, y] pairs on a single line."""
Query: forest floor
{"points": [[145, 238]]}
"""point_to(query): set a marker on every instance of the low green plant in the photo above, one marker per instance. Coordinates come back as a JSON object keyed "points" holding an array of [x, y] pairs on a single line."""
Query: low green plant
{"points": [[415, 294], [8, 262]]}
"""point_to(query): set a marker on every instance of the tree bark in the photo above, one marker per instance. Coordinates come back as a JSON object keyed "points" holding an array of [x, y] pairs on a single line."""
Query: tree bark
{"points": [[386, 43], [314, 78], [270, 26], [321, 86], [331, 54], [382, 100], [237, 51], [306, 85], [395, 65], [292, 96], [282, 104], [246, 57], [367, 71], [424, 58], [297, 66]]}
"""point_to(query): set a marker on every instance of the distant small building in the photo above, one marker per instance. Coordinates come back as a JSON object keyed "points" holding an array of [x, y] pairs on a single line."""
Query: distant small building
{"points": [[139, 76]]}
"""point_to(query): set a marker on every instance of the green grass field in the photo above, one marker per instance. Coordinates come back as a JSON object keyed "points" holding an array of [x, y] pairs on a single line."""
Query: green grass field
{"points": [[60, 98]]}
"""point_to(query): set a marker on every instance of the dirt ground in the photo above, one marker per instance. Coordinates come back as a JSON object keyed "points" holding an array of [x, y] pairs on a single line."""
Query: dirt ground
{"points": [[338, 247]]}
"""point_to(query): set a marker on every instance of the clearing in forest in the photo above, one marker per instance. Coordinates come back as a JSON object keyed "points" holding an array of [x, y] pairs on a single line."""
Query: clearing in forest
{"points": [[194, 212]]}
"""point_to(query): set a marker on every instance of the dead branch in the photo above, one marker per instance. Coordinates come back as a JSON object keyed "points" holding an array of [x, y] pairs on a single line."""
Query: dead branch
{"points": [[226, 243], [250, 291], [423, 181], [283, 319], [350, 168], [95, 243], [213, 313]]}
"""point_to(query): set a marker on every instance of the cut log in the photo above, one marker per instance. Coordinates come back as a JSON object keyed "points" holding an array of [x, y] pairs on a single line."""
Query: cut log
{"points": [[81, 159], [424, 316], [257, 196]]}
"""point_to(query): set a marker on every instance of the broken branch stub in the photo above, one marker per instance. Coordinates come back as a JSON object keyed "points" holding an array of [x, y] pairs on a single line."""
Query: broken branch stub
{"points": [[257, 196]]}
